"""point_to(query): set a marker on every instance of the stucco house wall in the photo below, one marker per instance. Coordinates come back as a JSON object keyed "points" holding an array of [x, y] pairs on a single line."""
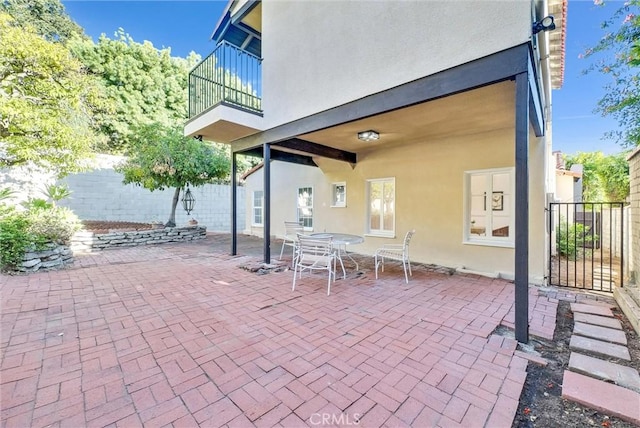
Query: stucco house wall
{"points": [[429, 180], [358, 61]]}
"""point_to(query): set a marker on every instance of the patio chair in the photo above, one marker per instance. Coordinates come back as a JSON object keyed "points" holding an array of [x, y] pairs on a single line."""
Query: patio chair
{"points": [[291, 230], [399, 252], [314, 253]]}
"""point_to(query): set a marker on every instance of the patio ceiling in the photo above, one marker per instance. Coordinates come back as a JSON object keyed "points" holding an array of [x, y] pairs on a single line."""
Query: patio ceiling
{"points": [[480, 110]]}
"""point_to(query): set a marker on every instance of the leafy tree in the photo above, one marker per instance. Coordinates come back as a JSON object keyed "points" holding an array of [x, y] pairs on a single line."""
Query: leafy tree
{"points": [[622, 95], [147, 85], [162, 157], [46, 102], [47, 17], [604, 178]]}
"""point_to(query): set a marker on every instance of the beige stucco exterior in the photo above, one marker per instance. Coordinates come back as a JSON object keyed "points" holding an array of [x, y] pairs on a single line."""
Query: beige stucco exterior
{"points": [[321, 54], [429, 180], [565, 186]]}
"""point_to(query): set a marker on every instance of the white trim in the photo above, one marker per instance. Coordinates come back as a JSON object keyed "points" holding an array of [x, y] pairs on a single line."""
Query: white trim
{"points": [[490, 241], [306, 228], [381, 235], [335, 204], [367, 189], [253, 208]]}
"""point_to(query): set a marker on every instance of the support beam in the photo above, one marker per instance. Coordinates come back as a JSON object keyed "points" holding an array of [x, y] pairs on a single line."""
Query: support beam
{"points": [[267, 203], [535, 104], [317, 149], [282, 156], [522, 208], [234, 204]]}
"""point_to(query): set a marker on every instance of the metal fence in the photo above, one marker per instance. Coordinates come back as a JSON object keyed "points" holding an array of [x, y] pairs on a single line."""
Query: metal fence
{"points": [[228, 75], [587, 245]]}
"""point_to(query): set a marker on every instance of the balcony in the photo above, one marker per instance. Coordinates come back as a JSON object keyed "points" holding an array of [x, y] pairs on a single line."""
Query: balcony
{"points": [[225, 95]]}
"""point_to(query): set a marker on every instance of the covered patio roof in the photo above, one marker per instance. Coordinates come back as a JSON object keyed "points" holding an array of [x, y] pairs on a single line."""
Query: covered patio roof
{"points": [[424, 106]]}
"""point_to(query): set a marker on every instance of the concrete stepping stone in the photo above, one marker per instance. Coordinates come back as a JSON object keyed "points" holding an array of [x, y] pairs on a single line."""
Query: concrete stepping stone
{"points": [[606, 370], [591, 309], [605, 397], [595, 346], [597, 320], [601, 333]]}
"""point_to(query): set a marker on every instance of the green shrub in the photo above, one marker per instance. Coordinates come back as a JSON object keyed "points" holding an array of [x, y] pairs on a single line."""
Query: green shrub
{"points": [[6, 193], [571, 239], [57, 192], [37, 204], [23, 231], [15, 238], [53, 224]]}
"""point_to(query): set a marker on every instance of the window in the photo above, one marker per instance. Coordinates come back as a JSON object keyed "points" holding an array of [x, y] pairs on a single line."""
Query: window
{"points": [[339, 194], [489, 207], [258, 208], [381, 196], [305, 207]]}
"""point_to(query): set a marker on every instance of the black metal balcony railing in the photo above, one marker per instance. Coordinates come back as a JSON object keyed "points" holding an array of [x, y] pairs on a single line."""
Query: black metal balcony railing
{"points": [[228, 75]]}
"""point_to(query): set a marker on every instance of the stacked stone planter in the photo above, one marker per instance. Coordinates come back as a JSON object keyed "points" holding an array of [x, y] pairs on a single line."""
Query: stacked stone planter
{"points": [[88, 241], [54, 256]]}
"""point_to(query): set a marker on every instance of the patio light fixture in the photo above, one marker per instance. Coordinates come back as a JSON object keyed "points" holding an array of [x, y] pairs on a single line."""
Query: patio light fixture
{"points": [[369, 135], [545, 24], [188, 201]]}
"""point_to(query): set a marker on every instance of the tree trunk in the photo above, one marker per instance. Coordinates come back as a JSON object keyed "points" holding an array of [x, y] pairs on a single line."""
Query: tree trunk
{"points": [[172, 217]]}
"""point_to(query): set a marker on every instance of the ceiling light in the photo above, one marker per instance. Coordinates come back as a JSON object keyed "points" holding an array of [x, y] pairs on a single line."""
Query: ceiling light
{"points": [[368, 135]]}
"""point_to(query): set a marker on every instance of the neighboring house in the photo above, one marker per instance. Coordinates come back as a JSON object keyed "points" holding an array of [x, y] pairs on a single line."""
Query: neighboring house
{"points": [[459, 97], [568, 187]]}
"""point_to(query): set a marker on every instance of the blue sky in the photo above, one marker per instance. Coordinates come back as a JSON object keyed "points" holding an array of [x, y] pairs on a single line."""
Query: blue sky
{"points": [[185, 26]]}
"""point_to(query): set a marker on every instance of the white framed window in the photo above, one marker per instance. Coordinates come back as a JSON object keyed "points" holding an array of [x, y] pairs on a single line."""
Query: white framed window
{"points": [[305, 207], [381, 206], [339, 194], [258, 208], [489, 207]]}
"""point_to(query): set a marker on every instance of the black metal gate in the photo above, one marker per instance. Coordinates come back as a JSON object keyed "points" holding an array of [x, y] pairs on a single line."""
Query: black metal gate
{"points": [[586, 245]]}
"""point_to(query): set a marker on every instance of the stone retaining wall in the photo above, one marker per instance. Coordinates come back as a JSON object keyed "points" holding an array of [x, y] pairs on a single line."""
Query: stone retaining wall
{"points": [[84, 241], [53, 257]]}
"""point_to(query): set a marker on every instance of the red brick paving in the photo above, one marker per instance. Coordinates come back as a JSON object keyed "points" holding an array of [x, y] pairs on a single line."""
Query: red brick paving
{"points": [[180, 336]]}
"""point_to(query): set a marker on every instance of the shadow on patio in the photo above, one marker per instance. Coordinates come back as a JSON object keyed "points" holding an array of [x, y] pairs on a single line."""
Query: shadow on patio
{"points": [[179, 334]]}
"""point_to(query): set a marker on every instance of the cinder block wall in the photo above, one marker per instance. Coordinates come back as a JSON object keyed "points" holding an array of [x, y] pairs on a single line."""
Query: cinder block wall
{"points": [[634, 176], [100, 195]]}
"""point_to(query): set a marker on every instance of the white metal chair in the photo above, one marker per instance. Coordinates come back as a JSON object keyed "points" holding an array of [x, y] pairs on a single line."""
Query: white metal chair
{"points": [[314, 253], [399, 252], [291, 230]]}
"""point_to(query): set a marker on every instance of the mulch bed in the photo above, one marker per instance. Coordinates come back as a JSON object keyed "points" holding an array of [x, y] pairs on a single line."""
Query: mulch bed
{"points": [[541, 402], [101, 226]]}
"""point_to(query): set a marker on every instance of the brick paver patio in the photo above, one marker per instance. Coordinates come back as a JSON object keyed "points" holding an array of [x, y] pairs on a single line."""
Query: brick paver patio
{"points": [[180, 335]]}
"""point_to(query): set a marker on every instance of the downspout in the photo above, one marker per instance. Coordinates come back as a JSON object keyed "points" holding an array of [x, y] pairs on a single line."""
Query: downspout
{"points": [[544, 81]]}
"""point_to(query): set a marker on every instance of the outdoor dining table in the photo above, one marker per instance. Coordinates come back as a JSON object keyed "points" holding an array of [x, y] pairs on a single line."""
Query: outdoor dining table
{"points": [[341, 241]]}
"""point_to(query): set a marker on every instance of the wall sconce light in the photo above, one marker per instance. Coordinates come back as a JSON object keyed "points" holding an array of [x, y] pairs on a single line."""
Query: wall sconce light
{"points": [[370, 135], [545, 24]]}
